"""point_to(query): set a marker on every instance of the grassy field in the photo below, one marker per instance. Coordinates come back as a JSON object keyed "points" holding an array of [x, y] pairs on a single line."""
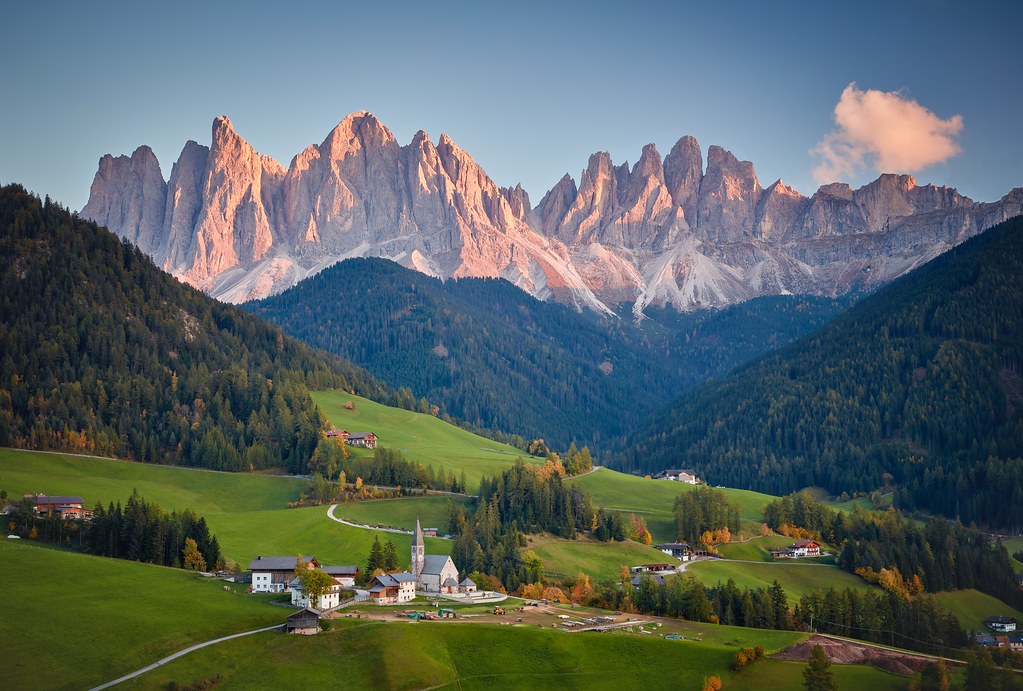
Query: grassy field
{"points": [[421, 438], [307, 531], [401, 513], [361, 654], [74, 621], [595, 559], [106, 480], [797, 579], [654, 500], [759, 549], [972, 607]]}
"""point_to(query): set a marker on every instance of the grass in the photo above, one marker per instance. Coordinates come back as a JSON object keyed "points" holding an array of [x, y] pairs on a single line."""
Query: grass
{"points": [[421, 438], [759, 549], [432, 512], [106, 480], [362, 654], [972, 607], [797, 579], [654, 500], [595, 559], [1014, 544], [74, 621], [307, 531]]}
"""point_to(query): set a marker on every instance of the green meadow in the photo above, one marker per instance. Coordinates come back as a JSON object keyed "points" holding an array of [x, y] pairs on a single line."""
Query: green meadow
{"points": [[654, 500], [365, 654], [759, 549], [421, 438], [307, 531], [106, 480], [72, 621], [972, 607], [432, 512], [797, 579], [595, 559]]}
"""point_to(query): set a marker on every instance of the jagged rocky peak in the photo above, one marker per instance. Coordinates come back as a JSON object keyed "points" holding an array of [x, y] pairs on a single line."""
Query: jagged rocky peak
{"points": [[683, 172], [729, 194], [518, 200], [779, 212], [555, 204], [129, 193], [358, 132]]}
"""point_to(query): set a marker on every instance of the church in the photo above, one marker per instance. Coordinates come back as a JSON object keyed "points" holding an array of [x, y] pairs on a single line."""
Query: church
{"points": [[435, 573]]}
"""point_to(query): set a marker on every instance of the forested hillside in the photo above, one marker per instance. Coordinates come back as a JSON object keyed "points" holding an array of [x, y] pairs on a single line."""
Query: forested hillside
{"points": [[917, 387], [101, 352], [490, 354]]}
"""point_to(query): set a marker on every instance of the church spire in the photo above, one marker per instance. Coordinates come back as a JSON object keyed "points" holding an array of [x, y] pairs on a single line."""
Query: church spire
{"points": [[418, 553]]}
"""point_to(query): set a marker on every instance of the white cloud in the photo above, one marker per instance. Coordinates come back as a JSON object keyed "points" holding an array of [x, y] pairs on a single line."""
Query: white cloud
{"points": [[885, 131]]}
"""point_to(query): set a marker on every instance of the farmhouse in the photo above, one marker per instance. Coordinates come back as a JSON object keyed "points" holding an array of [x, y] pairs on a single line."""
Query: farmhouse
{"points": [[329, 600], [340, 435], [679, 550], [1001, 624], [678, 475], [306, 622], [653, 568], [366, 440], [393, 588], [65, 506], [434, 573], [798, 549], [343, 575], [272, 574]]}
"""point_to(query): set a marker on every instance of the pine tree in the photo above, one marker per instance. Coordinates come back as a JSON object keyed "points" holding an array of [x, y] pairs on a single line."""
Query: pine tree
{"points": [[389, 557], [376, 557], [818, 675]]}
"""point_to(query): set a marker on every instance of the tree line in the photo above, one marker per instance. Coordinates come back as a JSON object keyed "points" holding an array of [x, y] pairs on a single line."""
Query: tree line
{"points": [[900, 554]]}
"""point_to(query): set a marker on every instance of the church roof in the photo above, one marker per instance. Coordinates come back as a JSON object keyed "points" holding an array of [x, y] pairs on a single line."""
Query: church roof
{"points": [[467, 581], [434, 563], [449, 581], [417, 536]]}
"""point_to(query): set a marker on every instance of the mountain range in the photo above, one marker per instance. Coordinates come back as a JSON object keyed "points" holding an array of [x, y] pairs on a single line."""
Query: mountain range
{"points": [[676, 231]]}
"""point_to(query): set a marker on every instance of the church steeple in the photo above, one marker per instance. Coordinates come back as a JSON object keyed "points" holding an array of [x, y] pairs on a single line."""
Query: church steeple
{"points": [[418, 552]]}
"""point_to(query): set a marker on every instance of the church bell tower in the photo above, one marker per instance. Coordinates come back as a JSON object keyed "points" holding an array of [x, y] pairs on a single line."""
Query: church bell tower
{"points": [[418, 553]]}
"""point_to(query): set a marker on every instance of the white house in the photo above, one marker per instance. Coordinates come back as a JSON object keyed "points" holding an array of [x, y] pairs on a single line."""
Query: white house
{"points": [[392, 588], [679, 550], [272, 574], [343, 575], [687, 476], [327, 601], [1001, 624]]}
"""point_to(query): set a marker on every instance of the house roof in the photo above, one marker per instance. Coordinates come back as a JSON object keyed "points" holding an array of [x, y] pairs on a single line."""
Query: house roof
{"points": [[672, 545], [340, 570], [386, 580], [303, 613], [449, 582], [262, 563], [434, 563], [804, 543], [403, 577], [638, 578], [999, 620], [467, 581], [360, 435], [53, 499]]}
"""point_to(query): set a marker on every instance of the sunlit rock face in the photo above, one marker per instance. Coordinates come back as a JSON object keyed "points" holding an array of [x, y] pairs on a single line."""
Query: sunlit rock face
{"points": [[662, 231]]}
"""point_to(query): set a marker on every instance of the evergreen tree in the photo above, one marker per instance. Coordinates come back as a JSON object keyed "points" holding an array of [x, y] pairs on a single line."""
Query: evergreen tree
{"points": [[818, 675], [389, 557]]}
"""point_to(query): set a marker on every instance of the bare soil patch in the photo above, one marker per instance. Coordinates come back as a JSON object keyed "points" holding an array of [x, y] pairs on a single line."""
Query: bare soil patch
{"points": [[851, 653]]}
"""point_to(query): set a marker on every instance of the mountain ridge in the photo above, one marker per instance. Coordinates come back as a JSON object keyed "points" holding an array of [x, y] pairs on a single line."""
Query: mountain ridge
{"points": [[240, 225]]}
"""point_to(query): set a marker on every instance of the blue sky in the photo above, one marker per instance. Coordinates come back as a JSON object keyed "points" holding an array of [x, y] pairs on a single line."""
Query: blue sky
{"points": [[529, 89]]}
